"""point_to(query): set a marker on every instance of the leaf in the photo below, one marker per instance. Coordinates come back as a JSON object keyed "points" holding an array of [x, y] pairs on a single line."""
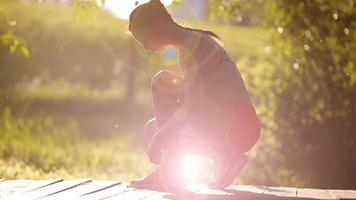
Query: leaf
{"points": [[25, 52], [13, 48], [6, 39]]}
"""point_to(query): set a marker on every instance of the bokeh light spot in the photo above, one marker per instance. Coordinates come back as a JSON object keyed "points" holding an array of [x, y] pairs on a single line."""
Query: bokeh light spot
{"points": [[335, 16], [280, 30], [346, 31]]}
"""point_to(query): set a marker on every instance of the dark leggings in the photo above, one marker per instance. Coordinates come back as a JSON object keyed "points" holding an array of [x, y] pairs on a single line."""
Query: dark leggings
{"points": [[167, 95]]}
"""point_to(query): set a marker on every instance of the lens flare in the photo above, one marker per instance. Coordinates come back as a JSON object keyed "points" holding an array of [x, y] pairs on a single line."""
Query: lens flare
{"points": [[169, 56], [195, 168], [191, 167]]}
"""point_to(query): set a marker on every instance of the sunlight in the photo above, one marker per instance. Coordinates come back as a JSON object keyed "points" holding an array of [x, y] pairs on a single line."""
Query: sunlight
{"points": [[123, 8], [193, 167]]}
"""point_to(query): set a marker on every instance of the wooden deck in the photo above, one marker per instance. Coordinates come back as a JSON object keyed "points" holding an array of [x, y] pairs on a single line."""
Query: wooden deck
{"points": [[88, 189]]}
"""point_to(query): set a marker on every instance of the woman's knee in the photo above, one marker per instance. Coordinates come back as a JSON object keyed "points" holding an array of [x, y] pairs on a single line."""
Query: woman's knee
{"points": [[158, 78], [167, 81]]}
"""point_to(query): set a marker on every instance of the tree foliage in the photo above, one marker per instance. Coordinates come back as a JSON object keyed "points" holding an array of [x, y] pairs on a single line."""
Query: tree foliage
{"points": [[8, 38], [309, 90], [244, 12]]}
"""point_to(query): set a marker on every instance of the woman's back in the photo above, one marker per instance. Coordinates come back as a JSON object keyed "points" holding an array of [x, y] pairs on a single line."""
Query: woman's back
{"points": [[218, 74], [213, 83]]}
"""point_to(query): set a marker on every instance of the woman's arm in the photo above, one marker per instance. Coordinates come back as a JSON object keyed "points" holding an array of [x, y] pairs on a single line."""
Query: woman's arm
{"points": [[164, 137]]}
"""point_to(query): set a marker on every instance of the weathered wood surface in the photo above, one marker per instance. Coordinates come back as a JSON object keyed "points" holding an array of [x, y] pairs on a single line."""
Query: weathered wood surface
{"points": [[87, 189]]}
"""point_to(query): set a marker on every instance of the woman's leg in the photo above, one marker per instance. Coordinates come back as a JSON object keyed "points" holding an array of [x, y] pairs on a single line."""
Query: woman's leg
{"points": [[167, 96], [245, 131], [167, 92], [246, 128]]}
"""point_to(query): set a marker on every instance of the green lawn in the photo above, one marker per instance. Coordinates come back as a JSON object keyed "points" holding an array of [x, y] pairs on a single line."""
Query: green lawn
{"points": [[42, 148]]}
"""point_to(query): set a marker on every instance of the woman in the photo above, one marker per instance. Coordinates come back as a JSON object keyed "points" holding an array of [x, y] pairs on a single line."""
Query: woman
{"points": [[206, 109]]}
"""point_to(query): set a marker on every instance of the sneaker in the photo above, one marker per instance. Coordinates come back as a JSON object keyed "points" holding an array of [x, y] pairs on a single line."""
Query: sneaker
{"points": [[231, 171], [217, 175]]}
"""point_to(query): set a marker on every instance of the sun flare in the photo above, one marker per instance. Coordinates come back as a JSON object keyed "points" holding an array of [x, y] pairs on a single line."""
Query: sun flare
{"points": [[194, 168], [123, 8]]}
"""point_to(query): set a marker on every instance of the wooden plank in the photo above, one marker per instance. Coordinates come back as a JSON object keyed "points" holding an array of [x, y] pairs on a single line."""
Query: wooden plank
{"points": [[248, 188], [291, 190], [12, 183], [343, 194], [191, 191], [9, 187], [207, 193], [349, 194], [84, 189], [185, 193], [164, 194], [232, 192], [135, 194], [194, 187], [104, 185], [205, 190], [157, 196], [281, 192], [259, 192], [313, 193], [107, 193], [38, 185], [50, 189]]}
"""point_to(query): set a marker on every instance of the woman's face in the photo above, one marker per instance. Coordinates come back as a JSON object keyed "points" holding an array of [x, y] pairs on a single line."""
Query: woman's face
{"points": [[150, 40]]}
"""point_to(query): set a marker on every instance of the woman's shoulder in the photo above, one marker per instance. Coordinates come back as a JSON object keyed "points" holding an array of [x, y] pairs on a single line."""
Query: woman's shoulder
{"points": [[206, 51], [200, 42]]}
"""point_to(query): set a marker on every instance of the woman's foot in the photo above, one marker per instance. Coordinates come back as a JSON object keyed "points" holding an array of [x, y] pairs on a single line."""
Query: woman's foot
{"points": [[229, 172], [167, 176], [150, 181]]}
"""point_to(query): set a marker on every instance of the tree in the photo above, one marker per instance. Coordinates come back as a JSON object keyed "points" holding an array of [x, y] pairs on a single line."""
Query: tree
{"points": [[9, 39], [243, 12], [312, 69]]}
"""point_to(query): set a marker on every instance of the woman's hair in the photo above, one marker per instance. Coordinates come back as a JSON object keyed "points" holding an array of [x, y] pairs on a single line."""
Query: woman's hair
{"points": [[143, 15]]}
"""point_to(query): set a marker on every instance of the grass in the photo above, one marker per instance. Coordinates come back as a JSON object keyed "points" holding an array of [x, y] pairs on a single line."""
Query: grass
{"points": [[43, 148], [63, 90]]}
